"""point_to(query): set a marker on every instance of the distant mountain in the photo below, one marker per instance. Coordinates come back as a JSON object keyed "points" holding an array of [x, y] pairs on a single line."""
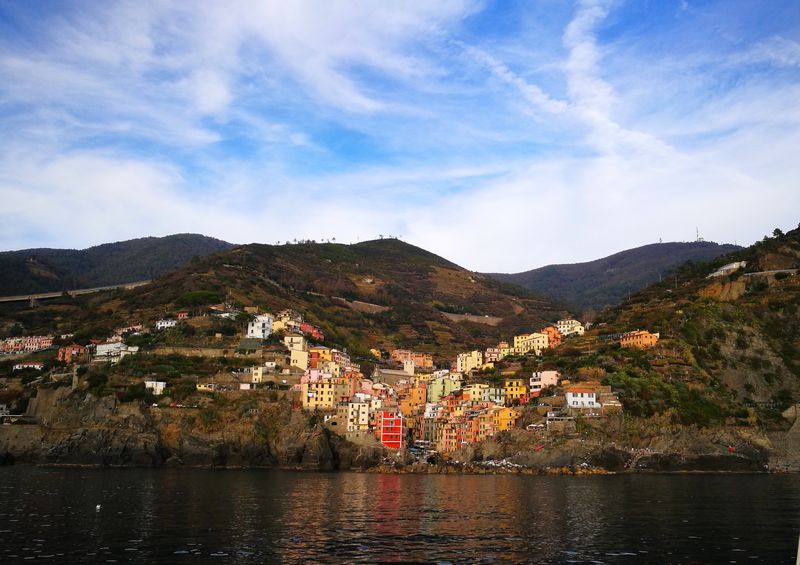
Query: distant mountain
{"points": [[47, 270], [607, 281], [375, 294]]}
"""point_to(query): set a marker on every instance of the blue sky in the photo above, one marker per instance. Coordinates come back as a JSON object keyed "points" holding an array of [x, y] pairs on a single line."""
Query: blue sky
{"points": [[501, 135]]}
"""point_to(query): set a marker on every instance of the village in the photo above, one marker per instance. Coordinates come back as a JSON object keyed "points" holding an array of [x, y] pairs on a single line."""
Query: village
{"points": [[407, 402]]}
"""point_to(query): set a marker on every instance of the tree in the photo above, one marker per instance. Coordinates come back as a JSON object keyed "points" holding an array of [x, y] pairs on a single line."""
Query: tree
{"points": [[777, 232]]}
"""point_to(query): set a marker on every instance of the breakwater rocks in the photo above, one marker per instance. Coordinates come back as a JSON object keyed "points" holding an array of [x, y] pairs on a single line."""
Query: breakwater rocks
{"points": [[483, 468]]}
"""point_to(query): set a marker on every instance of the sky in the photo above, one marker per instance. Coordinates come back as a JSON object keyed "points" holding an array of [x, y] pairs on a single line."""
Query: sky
{"points": [[501, 135]]}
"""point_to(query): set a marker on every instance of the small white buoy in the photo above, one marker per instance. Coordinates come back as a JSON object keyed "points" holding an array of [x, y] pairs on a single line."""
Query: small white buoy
{"points": [[97, 508]]}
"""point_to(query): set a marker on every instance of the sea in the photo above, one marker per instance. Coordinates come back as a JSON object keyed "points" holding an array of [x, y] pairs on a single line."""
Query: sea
{"points": [[79, 515]]}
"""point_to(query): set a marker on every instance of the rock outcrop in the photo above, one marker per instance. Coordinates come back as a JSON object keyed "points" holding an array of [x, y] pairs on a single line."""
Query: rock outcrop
{"points": [[80, 429]]}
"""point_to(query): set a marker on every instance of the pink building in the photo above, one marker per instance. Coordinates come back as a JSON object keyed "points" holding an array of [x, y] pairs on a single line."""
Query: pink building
{"points": [[543, 379]]}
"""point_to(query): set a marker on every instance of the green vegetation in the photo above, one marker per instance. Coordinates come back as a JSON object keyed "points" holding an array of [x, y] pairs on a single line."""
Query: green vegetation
{"points": [[199, 298], [646, 394]]}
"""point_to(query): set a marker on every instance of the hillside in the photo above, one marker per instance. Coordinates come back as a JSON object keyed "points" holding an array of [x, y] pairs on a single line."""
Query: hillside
{"points": [[607, 281], [716, 392], [729, 348], [46, 270], [382, 293], [741, 330]]}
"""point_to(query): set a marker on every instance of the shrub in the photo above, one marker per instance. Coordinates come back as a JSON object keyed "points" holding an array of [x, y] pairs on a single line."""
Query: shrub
{"points": [[209, 418], [199, 298]]}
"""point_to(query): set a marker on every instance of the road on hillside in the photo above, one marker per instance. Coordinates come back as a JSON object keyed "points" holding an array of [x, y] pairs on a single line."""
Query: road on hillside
{"points": [[44, 295]]}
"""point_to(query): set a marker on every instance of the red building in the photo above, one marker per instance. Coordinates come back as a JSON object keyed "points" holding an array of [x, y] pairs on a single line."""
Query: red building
{"points": [[392, 430], [313, 331]]}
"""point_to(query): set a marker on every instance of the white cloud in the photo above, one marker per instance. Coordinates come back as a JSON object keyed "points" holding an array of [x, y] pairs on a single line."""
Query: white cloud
{"points": [[316, 119], [776, 50]]}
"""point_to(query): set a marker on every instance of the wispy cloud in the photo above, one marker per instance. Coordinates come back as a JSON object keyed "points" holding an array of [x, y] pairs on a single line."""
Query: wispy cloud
{"points": [[465, 126]]}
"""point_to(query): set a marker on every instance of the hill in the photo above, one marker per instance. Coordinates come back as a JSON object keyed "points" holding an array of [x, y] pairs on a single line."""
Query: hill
{"points": [[383, 293], [47, 270], [607, 281], [729, 348], [740, 330]]}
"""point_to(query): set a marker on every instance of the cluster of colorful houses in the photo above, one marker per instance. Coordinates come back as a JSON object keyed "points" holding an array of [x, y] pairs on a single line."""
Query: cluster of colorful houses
{"points": [[27, 344], [442, 409]]}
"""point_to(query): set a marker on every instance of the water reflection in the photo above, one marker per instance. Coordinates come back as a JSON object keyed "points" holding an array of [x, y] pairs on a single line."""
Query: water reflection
{"points": [[163, 516]]}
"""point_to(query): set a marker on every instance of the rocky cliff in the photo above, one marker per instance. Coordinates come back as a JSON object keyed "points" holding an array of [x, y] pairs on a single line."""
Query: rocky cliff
{"points": [[76, 428]]}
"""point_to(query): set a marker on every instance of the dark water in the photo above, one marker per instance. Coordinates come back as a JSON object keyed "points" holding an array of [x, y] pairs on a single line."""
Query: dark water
{"points": [[192, 516]]}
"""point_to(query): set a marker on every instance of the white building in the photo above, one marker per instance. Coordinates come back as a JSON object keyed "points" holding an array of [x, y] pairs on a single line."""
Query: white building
{"points": [[354, 415], [112, 352], [261, 327], [156, 386], [28, 365], [570, 327], [728, 269], [496, 395], [582, 398], [165, 323]]}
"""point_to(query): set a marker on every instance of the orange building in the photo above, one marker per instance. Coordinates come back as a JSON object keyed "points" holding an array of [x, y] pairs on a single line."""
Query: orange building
{"points": [[640, 339], [413, 400], [423, 360], [553, 336], [71, 353]]}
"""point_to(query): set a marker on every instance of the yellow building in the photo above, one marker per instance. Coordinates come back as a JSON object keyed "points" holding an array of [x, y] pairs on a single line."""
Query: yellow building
{"points": [[477, 392], [353, 416], [299, 359], [294, 341], [324, 393], [504, 418], [466, 362], [640, 339], [514, 389], [486, 425], [325, 353], [535, 342]]}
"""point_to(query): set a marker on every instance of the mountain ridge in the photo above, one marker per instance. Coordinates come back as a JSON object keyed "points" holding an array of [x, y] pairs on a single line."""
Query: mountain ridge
{"points": [[592, 285], [51, 270]]}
